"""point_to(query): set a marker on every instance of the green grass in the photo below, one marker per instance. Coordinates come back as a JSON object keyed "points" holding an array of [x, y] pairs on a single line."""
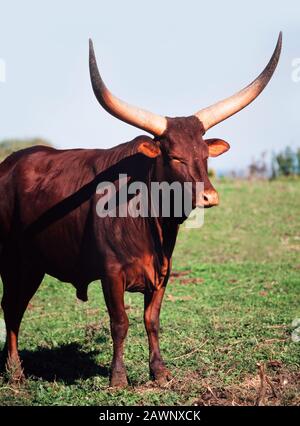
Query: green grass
{"points": [[229, 307]]}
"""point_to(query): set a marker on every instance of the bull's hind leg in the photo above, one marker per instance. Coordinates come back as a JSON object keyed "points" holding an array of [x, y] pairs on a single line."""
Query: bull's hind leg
{"points": [[113, 290], [153, 300], [19, 286]]}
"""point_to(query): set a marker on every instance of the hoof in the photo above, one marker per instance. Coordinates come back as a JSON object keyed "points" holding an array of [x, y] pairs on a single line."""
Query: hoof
{"points": [[161, 376], [14, 370], [118, 380]]}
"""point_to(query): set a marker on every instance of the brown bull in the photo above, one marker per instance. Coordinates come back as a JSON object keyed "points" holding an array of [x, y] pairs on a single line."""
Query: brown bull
{"points": [[49, 224]]}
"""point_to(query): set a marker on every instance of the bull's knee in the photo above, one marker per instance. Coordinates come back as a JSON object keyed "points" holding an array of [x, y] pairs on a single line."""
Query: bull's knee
{"points": [[119, 328], [152, 326]]}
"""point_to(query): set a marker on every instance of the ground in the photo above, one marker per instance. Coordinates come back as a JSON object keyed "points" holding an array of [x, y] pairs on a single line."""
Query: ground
{"points": [[226, 322]]}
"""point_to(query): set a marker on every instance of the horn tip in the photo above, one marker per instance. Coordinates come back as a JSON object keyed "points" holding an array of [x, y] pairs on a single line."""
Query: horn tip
{"points": [[279, 44], [91, 50]]}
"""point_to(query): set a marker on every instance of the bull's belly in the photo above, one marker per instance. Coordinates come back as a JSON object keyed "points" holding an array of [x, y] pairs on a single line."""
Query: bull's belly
{"points": [[74, 257], [81, 279], [80, 269], [69, 261]]}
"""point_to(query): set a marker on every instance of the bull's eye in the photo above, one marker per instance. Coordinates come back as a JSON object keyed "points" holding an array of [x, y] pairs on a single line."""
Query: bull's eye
{"points": [[177, 160]]}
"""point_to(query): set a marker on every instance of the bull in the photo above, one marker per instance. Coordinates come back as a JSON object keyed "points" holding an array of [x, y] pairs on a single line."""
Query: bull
{"points": [[49, 224]]}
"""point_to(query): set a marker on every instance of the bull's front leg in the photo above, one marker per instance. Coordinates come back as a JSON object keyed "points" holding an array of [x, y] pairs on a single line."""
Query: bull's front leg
{"points": [[113, 290], [153, 300]]}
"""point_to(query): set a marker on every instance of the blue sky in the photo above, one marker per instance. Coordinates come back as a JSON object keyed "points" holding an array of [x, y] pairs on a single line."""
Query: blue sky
{"points": [[172, 57]]}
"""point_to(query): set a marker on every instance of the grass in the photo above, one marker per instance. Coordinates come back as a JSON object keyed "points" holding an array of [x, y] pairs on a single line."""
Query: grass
{"points": [[229, 307]]}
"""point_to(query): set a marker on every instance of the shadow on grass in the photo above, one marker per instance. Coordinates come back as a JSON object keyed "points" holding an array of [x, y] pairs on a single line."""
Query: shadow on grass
{"points": [[66, 363]]}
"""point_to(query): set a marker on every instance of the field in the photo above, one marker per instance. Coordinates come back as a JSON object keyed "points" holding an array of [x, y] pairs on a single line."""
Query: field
{"points": [[226, 323]]}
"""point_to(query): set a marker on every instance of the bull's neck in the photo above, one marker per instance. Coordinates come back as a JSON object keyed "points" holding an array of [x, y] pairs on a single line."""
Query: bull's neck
{"points": [[168, 227], [158, 174]]}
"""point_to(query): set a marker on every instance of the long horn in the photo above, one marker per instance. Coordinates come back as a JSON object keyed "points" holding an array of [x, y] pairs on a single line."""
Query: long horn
{"points": [[152, 123], [218, 112]]}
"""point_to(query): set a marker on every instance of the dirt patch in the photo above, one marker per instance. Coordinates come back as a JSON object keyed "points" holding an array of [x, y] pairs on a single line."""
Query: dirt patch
{"points": [[177, 274], [172, 298], [183, 278], [272, 385], [185, 281], [297, 267], [91, 330]]}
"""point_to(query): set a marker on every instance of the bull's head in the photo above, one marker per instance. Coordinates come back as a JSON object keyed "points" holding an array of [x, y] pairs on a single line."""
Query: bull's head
{"points": [[180, 140]]}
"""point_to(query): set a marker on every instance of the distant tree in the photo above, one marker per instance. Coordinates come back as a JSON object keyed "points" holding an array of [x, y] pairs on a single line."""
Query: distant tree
{"points": [[286, 162], [298, 161], [8, 146]]}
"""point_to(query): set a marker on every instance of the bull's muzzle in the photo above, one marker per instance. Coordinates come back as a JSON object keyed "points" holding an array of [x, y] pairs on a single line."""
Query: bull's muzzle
{"points": [[208, 198]]}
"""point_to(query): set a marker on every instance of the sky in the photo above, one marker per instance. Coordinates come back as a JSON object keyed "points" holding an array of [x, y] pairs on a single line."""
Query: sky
{"points": [[172, 57]]}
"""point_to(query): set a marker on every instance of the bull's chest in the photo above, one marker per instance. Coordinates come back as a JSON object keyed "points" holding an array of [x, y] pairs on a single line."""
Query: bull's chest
{"points": [[146, 272]]}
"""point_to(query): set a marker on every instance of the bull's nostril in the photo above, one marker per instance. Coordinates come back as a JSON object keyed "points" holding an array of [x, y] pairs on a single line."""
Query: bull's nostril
{"points": [[210, 198]]}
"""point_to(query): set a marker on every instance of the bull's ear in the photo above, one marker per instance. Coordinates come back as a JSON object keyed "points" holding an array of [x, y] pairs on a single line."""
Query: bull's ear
{"points": [[148, 148], [216, 147]]}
